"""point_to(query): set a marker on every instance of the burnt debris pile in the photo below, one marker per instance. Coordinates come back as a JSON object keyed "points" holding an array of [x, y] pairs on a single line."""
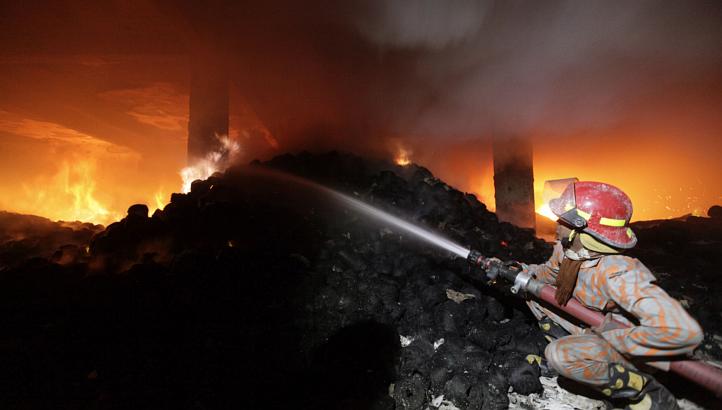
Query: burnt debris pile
{"points": [[254, 290], [26, 236], [685, 255]]}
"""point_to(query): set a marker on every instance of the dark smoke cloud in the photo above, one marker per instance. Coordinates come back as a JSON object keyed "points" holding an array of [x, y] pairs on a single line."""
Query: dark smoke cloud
{"points": [[318, 72]]}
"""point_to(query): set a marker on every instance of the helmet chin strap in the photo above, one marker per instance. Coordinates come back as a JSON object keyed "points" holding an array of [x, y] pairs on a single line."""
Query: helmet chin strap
{"points": [[567, 241], [580, 254]]}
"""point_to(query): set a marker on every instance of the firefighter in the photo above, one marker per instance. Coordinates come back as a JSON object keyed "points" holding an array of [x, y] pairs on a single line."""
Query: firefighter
{"points": [[588, 264]]}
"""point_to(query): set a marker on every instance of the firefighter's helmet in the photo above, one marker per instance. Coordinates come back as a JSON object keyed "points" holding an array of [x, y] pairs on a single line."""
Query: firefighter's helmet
{"points": [[601, 210]]}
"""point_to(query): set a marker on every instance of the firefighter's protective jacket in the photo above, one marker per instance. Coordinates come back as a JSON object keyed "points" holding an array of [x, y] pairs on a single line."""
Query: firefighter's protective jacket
{"points": [[664, 327]]}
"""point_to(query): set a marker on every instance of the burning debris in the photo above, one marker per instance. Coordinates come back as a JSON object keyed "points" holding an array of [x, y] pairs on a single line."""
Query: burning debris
{"points": [[403, 155], [215, 161], [252, 290]]}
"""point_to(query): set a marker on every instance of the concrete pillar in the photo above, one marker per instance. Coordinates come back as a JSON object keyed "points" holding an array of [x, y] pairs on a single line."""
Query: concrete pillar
{"points": [[514, 181], [208, 114]]}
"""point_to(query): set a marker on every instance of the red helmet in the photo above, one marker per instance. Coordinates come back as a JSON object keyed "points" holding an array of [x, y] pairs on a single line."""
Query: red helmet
{"points": [[599, 209]]}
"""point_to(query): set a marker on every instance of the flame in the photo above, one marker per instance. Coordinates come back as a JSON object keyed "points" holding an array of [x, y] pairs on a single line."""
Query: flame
{"points": [[79, 182], [215, 161], [69, 195], [158, 199], [403, 156]]}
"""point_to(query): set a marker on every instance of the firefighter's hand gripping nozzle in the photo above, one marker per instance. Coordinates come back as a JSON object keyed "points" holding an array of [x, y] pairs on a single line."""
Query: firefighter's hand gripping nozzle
{"points": [[495, 268]]}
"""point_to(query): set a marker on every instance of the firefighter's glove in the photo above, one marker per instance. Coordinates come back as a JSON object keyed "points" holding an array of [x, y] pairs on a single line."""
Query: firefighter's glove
{"points": [[490, 263], [491, 267]]}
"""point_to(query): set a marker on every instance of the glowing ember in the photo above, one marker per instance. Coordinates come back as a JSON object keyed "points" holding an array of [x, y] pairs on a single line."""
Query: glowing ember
{"points": [[545, 211], [216, 161]]}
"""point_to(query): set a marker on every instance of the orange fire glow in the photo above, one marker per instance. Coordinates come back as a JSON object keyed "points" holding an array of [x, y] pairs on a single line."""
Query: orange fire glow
{"points": [[72, 194], [61, 173], [69, 195], [639, 164], [546, 212], [69, 170]]}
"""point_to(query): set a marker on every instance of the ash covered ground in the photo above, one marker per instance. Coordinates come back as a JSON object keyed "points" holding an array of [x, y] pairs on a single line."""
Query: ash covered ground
{"points": [[253, 291]]}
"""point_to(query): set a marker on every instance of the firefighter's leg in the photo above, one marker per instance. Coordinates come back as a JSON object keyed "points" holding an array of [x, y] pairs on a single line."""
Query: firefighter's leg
{"points": [[549, 323], [589, 359], [583, 358]]}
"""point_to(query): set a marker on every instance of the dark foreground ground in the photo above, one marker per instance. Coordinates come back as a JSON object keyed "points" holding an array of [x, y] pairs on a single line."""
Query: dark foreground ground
{"points": [[255, 292]]}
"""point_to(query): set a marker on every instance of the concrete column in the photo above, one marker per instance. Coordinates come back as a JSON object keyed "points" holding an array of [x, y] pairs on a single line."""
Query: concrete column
{"points": [[514, 181], [208, 114]]}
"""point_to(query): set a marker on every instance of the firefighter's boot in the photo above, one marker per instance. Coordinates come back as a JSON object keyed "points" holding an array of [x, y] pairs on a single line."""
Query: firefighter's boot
{"points": [[640, 391], [540, 362], [551, 329]]}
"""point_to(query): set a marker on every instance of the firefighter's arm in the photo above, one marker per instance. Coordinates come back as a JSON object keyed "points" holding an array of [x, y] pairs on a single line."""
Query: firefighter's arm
{"points": [[547, 272], [665, 328]]}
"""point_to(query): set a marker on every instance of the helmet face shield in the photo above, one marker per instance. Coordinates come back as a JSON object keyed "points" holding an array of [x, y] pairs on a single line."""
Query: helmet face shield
{"points": [[567, 205]]}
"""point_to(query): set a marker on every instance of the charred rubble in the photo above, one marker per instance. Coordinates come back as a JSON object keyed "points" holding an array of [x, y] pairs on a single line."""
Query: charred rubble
{"points": [[27, 236], [251, 290], [685, 255]]}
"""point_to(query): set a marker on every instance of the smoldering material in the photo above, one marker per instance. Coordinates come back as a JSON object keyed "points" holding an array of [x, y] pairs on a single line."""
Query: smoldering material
{"points": [[260, 281]]}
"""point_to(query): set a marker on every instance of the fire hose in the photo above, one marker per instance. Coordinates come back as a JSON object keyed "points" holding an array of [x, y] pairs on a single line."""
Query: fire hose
{"points": [[696, 371]]}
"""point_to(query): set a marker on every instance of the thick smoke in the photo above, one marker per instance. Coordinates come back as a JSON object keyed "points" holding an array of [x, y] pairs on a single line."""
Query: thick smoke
{"points": [[320, 71], [539, 67], [355, 75], [425, 24]]}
